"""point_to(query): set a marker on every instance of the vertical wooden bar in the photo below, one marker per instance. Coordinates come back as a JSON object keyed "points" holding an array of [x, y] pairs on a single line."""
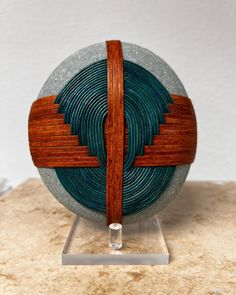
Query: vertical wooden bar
{"points": [[115, 132]]}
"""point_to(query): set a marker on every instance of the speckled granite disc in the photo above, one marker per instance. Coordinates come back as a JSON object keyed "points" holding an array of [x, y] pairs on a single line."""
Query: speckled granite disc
{"points": [[58, 79]]}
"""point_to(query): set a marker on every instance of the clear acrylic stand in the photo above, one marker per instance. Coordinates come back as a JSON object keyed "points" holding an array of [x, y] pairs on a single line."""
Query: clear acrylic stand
{"points": [[88, 244]]}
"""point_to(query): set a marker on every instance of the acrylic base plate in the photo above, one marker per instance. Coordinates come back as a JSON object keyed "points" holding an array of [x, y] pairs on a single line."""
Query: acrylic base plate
{"points": [[88, 244]]}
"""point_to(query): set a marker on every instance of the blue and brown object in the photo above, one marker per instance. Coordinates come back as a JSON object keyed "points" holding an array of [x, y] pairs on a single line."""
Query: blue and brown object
{"points": [[114, 136]]}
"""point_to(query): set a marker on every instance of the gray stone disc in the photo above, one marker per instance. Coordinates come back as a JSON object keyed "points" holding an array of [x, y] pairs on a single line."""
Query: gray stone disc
{"points": [[58, 79]]}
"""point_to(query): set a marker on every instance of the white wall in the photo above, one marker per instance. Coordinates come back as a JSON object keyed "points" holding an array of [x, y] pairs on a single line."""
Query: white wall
{"points": [[197, 38]]}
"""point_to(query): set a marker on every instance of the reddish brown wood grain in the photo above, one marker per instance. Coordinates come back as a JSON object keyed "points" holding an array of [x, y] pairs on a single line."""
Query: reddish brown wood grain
{"points": [[44, 110], [60, 151], [47, 121], [85, 161], [44, 100], [177, 139], [163, 160], [53, 138], [115, 132], [62, 129], [50, 139], [179, 99], [58, 143], [166, 149], [37, 119]]}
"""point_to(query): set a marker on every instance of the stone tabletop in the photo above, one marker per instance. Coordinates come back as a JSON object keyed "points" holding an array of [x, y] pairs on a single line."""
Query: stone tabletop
{"points": [[199, 227]]}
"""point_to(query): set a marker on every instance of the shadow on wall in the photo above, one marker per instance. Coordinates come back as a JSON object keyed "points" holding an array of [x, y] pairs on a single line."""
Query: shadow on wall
{"points": [[4, 186]]}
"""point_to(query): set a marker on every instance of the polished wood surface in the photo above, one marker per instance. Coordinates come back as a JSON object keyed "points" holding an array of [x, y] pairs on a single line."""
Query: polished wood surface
{"points": [[51, 142], [115, 132], [177, 139], [174, 145]]}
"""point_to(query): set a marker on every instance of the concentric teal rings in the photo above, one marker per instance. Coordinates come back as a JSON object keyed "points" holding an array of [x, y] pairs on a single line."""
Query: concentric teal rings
{"points": [[83, 101]]}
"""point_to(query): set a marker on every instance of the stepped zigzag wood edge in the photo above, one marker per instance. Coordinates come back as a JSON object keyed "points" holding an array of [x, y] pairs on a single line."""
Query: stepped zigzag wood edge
{"points": [[52, 144]]}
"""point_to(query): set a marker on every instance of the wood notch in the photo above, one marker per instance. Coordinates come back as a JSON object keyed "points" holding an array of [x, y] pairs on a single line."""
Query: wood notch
{"points": [[115, 132]]}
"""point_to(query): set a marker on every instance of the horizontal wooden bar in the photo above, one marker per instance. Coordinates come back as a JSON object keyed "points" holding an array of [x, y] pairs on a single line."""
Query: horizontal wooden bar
{"points": [[37, 115], [63, 129], [65, 153], [34, 119], [54, 162], [44, 101], [54, 138], [59, 151], [68, 143], [166, 148], [171, 119], [165, 129], [49, 127], [173, 139], [41, 110], [47, 121], [179, 99], [180, 110], [52, 144], [77, 148], [163, 160]]}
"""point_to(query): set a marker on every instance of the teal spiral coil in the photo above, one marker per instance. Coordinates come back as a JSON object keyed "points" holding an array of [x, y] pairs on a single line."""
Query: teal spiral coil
{"points": [[83, 101]]}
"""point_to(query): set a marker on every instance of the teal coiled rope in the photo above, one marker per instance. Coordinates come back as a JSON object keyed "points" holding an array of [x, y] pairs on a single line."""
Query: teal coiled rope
{"points": [[83, 101]]}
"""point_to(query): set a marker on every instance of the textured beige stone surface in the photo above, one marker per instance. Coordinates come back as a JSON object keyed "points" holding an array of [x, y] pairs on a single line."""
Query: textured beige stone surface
{"points": [[199, 227]]}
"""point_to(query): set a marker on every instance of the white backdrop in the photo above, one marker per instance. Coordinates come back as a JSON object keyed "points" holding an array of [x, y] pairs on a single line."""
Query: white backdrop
{"points": [[196, 38]]}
